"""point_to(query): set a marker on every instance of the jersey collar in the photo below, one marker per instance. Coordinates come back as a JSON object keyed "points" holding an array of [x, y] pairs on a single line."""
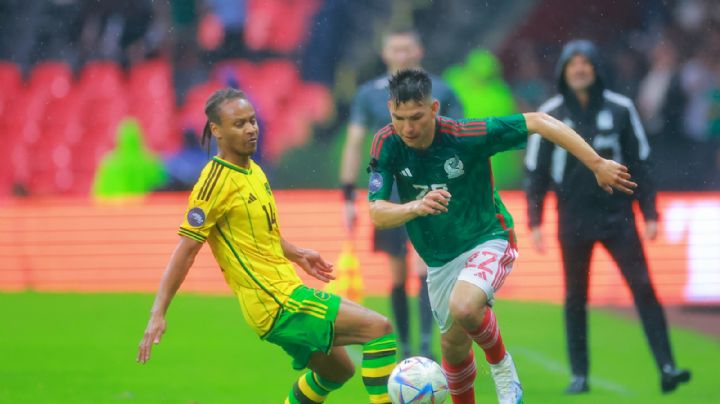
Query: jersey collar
{"points": [[233, 166]]}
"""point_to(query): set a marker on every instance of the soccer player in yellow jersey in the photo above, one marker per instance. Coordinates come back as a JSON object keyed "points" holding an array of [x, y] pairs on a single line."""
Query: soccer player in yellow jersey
{"points": [[233, 209]]}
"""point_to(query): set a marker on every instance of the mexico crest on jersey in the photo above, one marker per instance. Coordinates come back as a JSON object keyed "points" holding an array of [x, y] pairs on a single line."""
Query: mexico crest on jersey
{"points": [[454, 167]]}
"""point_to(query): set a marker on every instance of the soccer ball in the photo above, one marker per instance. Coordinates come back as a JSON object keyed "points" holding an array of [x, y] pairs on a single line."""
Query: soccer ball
{"points": [[417, 380]]}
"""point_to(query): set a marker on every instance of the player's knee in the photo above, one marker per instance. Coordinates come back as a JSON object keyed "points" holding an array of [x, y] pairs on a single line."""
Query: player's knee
{"points": [[384, 326], [380, 326], [466, 311], [345, 371]]}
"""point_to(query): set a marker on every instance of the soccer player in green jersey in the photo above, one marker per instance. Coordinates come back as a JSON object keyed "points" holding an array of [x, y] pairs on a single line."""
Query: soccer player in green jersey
{"points": [[456, 219]]}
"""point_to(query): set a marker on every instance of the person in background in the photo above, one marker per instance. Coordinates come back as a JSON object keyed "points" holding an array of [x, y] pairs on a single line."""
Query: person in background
{"points": [[131, 169], [401, 49], [611, 124]]}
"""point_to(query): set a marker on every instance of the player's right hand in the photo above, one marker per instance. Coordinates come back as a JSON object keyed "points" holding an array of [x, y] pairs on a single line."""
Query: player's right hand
{"points": [[350, 215], [153, 333], [433, 203], [538, 239], [610, 174]]}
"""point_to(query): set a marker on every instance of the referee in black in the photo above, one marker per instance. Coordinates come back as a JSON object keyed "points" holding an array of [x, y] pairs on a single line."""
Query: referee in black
{"points": [[609, 122]]}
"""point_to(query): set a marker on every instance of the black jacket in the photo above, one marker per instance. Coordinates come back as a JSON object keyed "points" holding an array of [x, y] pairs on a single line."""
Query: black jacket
{"points": [[611, 125]]}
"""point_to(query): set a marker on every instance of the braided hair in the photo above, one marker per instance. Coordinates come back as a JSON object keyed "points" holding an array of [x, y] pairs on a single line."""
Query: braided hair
{"points": [[211, 110]]}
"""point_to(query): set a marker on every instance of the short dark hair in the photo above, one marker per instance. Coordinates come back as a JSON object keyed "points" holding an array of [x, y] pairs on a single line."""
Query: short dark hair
{"points": [[401, 31], [410, 85], [211, 109]]}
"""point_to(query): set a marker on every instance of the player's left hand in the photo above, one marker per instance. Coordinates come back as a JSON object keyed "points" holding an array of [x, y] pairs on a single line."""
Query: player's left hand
{"points": [[651, 230], [153, 333], [314, 265], [610, 174]]}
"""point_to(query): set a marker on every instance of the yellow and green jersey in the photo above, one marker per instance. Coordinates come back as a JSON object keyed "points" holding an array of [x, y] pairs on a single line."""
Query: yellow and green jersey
{"points": [[233, 209]]}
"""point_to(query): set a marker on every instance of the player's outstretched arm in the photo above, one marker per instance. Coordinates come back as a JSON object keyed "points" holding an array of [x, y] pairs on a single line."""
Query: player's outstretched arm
{"points": [[309, 260], [180, 262], [609, 174], [386, 215]]}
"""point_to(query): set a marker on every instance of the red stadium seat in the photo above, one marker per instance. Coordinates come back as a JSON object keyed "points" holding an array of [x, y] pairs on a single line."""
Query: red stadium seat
{"points": [[10, 82], [290, 25], [101, 117], [278, 25], [10, 76], [21, 122], [260, 17], [49, 171], [151, 79], [279, 76], [315, 99], [63, 120], [192, 113], [152, 102], [102, 78], [51, 79]]}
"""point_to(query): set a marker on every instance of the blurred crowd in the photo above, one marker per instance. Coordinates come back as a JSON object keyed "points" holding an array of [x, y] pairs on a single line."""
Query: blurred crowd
{"points": [[662, 56], [666, 63]]}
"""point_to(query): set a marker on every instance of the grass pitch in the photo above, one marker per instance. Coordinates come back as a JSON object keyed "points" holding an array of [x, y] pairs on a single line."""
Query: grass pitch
{"points": [[80, 348]]}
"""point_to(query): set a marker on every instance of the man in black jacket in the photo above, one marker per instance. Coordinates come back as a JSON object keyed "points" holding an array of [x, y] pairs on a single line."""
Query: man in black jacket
{"points": [[610, 123]]}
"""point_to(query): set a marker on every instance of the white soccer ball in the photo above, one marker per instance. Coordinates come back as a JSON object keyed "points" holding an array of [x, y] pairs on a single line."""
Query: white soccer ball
{"points": [[417, 380]]}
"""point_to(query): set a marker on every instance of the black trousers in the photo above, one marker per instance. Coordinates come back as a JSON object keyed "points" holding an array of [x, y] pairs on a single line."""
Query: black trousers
{"points": [[626, 250]]}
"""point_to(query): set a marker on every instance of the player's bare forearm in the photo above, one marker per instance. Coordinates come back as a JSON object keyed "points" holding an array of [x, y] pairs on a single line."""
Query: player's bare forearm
{"points": [[177, 268], [352, 154], [386, 215], [564, 136], [308, 260], [291, 251]]}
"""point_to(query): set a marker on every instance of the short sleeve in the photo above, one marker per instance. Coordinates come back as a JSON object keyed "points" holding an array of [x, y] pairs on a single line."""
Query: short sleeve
{"points": [[506, 133], [381, 169], [205, 205]]}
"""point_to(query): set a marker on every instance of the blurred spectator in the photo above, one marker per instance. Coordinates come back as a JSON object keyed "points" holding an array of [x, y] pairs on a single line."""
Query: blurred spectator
{"points": [[32, 31], [116, 29], [130, 169], [628, 68], [183, 167], [188, 69], [528, 85], [480, 85], [661, 103], [483, 92], [231, 14], [697, 79], [340, 29]]}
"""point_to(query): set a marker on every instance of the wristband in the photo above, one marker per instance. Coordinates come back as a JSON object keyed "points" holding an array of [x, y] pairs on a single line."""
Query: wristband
{"points": [[348, 191]]}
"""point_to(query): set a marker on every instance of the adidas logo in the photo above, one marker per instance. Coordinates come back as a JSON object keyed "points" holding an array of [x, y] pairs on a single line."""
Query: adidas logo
{"points": [[251, 198], [406, 173]]}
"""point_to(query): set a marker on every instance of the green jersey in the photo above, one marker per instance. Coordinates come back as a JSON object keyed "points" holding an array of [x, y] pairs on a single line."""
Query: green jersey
{"points": [[458, 160]]}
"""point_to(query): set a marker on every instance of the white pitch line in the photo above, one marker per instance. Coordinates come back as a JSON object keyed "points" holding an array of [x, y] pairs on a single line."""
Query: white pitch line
{"points": [[557, 367]]}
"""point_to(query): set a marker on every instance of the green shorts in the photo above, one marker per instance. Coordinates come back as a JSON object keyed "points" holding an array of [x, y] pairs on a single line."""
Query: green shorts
{"points": [[306, 324]]}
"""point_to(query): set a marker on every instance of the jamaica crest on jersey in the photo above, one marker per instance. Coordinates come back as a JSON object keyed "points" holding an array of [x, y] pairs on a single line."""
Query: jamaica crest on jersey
{"points": [[454, 167]]}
